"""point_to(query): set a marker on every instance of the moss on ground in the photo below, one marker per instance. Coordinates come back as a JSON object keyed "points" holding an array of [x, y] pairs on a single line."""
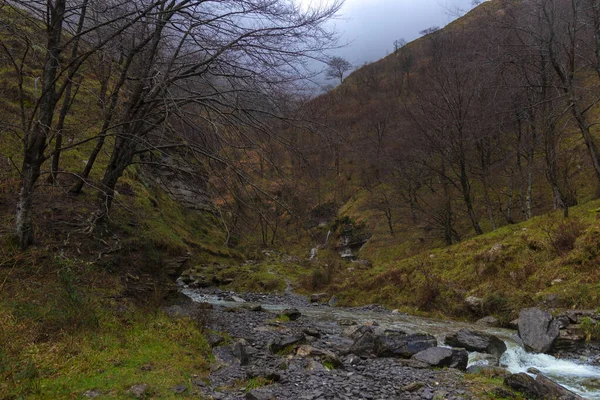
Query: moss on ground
{"points": [[66, 328]]}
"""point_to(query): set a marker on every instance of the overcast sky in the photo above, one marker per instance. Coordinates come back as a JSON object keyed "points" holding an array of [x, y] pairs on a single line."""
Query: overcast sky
{"points": [[371, 26]]}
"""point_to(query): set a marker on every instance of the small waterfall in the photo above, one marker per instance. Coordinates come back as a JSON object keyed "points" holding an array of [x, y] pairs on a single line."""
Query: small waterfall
{"points": [[568, 373], [327, 238], [313, 253]]}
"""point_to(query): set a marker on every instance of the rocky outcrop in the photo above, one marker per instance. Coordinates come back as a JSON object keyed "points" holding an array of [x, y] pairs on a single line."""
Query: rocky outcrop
{"points": [[477, 341], [538, 330], [187, 186], [444, 357], [352, 238], [539, 388]]}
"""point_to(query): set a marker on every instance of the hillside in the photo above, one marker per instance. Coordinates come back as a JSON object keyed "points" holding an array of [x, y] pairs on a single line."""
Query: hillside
{"points": [[129, 164]]}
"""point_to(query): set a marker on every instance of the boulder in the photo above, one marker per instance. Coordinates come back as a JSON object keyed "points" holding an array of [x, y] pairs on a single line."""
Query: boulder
{"points": [[538, 330], [291, 313], [474, 304], [569, 339], [403, 346], [552, 390], [239, 350], [285, 342], [476, 341], [364, 341], [347, 322], [444, 357], [238, 299], [539, 388], [333, 301], [523, 383]]}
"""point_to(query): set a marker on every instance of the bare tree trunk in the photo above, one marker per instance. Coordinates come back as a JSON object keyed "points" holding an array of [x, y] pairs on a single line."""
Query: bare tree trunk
{"points": [[68, 97], [30, 172], [466, 191], [36, 138]]}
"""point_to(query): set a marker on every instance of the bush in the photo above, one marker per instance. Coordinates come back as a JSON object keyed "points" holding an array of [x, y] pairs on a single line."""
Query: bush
{"points": [[562, 238], [591, 328]]}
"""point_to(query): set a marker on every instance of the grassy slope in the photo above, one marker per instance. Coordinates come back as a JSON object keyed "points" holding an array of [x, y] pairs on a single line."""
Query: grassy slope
{"points": [[71, 319], [513, 267]]}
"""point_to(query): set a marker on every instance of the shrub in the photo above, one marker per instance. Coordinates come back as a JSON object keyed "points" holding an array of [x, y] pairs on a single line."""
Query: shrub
{"points": [[562, 238], [591, 328]]}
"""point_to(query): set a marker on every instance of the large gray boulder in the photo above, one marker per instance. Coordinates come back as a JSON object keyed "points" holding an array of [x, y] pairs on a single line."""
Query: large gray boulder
{"points": [[539, 388], [538, 330], [287, 342], [476, 341], [403, 346], [444, 357]]}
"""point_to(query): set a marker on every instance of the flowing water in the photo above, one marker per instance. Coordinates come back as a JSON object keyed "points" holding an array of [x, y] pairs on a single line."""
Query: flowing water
{"points": [[572, 374]]}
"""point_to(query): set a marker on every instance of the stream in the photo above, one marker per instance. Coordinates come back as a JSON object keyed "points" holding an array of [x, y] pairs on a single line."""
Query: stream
{"points": [[571, 374]]}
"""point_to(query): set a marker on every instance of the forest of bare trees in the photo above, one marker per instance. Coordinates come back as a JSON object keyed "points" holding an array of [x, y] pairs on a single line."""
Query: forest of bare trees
{"points": [[118, 80], [480, 124]]}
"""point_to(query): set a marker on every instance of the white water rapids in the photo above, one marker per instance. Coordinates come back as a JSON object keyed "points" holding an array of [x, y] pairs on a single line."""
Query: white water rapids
{"points": [[572, 374]]}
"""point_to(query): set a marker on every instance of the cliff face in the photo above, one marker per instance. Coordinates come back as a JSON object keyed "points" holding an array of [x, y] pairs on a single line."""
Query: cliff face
{"points": [[186, 185]]}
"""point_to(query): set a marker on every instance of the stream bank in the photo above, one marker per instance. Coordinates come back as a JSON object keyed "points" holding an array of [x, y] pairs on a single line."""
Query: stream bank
{"points": [[309, 357]]}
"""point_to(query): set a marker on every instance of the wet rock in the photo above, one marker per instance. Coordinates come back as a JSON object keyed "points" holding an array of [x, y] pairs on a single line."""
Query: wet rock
{"points": [[552, 390], [283, 343], [318, 297], [403, 346], [292, 313], [333, 301], [238, 299], [138, 391], [592, 383], [488, 321], [538, 330], [523, 383], [540, 387], [533, 370], [444, 357], [476, 341]]}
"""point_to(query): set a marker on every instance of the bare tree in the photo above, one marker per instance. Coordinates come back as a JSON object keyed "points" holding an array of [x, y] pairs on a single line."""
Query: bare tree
{"points": [[180, 62], [337, 67]]}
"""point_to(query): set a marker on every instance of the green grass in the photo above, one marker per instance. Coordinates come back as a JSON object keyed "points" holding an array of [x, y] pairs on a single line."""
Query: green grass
{"points": [[77, 333]]}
